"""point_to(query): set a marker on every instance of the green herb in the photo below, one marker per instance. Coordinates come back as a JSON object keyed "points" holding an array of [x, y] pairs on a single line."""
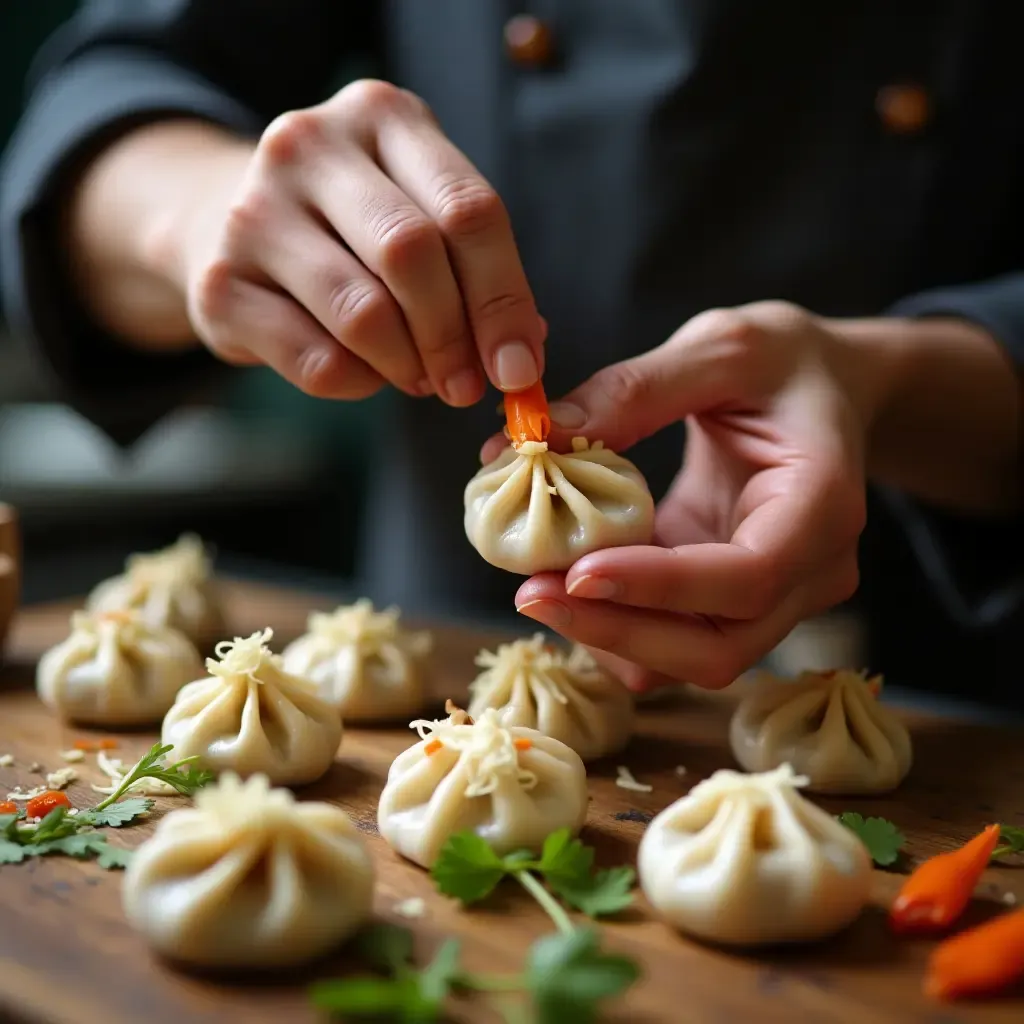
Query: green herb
{"points": [[881, 837], [115, 815], [1013, 841], [184, 775], [567, 975]]}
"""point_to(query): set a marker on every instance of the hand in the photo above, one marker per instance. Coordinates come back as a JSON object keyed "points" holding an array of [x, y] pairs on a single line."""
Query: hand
{"points": [[759, 529], [362, 248]]}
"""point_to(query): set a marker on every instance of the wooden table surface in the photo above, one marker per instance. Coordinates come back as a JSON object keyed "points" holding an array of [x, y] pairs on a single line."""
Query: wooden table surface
{"points": [[68, 957]]}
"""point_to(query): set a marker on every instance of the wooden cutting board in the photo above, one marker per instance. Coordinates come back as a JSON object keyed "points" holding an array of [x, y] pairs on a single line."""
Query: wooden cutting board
{"points": [[68, 957]]}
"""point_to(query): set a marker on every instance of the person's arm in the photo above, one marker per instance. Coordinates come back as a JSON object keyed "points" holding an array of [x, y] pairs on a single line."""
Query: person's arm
{"points": [[118, 66]]}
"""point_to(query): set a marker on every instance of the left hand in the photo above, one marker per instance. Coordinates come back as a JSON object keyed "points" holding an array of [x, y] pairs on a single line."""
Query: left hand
{"points": [[759, 529]]}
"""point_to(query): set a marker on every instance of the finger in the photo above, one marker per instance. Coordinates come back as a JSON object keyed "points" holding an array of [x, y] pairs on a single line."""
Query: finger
{"points": [[354, 306], [506, 327], [402, 247], [233, 313], [492, 448], [634, 677], [707, 653]]}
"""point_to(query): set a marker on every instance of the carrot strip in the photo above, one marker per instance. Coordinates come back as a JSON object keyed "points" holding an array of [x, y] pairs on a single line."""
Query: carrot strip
{"points": [[8, 807], [107, 744], [40, 806], [526, 413], [84, 745], [522, 743], [432, 747], [935, 895], [981, 961]]}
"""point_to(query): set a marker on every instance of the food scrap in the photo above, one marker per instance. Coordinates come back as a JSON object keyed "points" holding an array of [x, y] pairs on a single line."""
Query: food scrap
{"points": [[935, 895], [413, 907], [72, 756], [61, 778], [6, 760], [640, 816], [41, 805], [626, 780], [680, 771]]}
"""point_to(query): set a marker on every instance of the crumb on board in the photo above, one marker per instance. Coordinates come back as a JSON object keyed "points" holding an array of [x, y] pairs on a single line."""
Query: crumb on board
{"points": [[1009, 899], [626, 780], [72, 756], [6, 760], [680, 771], [61, 778], [36, 767], [633, 815], [18, 794], [413, 907]]}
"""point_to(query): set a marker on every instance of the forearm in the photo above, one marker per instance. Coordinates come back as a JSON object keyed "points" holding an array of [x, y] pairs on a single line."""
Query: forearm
{"points": [[943, 403], [134, 213]]}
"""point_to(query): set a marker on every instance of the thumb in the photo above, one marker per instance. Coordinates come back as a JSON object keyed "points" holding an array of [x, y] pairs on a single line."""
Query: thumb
{"points": [[628, 401]]}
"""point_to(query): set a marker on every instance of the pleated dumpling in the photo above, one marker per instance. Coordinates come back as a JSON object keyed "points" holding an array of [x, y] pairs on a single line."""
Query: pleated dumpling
{"points": [[115, 669], [532, 510], [746, 860], [250, 716], [566, 696], [363, 661], [249, 877], [831, 726], [171, 587], [510, 785]]}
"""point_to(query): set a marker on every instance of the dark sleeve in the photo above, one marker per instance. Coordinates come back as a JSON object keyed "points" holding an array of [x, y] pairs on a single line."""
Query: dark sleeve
{"points": [[116, 64], [975, 566]]}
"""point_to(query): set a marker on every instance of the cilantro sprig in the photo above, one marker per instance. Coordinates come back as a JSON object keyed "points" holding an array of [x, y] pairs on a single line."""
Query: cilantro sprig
{"points": [[566, 976], [185, 775], [883, 839], [1012, 841]]}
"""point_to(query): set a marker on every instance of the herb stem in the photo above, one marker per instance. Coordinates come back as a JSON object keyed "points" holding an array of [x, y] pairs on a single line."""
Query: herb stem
{"points": [[546, 900], [491, 982]]}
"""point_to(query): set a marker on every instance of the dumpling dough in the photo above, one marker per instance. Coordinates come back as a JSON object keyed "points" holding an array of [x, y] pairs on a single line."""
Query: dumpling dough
{"points": [[249, 878], [531, 510], [746, 860], [251, 716], [829, 725], [114, 669], [171, 587], [362, 661], [510, 785], [568, 697]]}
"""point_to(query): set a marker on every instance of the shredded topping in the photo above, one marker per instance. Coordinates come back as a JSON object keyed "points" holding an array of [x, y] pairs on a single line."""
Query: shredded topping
{"points": [[758, 786], [361, 625], [61, 778], [413, 907], [6, 760], [72, 756], [239, 804], [486, 748], [115, 770], [125, 622], [185, 562], [244, 658], [19, 795], [625, 779]]}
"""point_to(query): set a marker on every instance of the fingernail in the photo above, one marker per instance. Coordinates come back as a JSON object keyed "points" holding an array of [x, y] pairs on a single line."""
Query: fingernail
{"points": [[515, 366], [567, 415], [551, 613], [463, 388], [597, 588]]}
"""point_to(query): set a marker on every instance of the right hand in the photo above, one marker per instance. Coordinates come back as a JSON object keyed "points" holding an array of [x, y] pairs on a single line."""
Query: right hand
{"points": [[362, 248]]}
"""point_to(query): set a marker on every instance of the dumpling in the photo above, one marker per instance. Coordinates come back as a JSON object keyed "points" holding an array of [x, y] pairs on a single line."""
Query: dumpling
{"points": [[746, 860], [532, 510], [568, 697], [248, 877], [829, 725], [250, 716], [115, 669], [363, 661], [171, 587], [511, 785]]}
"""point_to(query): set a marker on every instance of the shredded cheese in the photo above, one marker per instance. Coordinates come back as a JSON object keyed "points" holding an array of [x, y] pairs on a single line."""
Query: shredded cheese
{"points": [[61, 778], [72, 756], [115, 770], [486, 749], [243, 658], [19, 795], [249, 804], [360, 625], [626, 780], [413, 907], [6, 760]]}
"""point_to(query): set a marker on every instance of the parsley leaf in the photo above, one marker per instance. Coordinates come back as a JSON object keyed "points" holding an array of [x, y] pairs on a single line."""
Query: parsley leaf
{"points": [[11, 853], [117, 814], [568, 976], [367, 997], [607, 892], [467, 868], [1013, 841], [565, 860], [184, 775], [881, 837]]}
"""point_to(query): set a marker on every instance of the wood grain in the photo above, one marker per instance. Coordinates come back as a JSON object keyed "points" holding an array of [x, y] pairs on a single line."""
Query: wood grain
{"points": [[68, 957], [10, 570]]}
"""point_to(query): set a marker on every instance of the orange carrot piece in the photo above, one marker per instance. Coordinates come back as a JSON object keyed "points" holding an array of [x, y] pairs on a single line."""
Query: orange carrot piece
{"points": [[978, 962], [40, 806], [432, 747], [937, 892], [108, 744], [522, 743], [8, 807], [86, 745], [526, 413]]}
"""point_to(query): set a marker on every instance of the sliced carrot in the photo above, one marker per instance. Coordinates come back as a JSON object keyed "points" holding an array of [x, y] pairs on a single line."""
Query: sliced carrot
{"points": [[522, 743], [86, 745], [526, 413], [432, 747], [8, 807], [40, 806], [108, 744], [978, 962]]}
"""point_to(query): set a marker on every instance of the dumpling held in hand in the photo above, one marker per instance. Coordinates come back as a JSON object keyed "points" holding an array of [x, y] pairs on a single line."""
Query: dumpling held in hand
{"points": [[172, 587], [249, 878], [251, 716], [746, 860], [510, 785], [830, 726], [363, 661], [566, 696], [115, 669]]}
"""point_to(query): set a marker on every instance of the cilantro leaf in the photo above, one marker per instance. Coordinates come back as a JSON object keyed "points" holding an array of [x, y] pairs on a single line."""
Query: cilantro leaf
{"points": [[184, 775], [607, 892], [881, 837], [369, 997], [117, 814], [565, 860], [112, 858], [11, 852], [1013, 841], [467, 868], [57, 824], [438, 977], [568, 976]]}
